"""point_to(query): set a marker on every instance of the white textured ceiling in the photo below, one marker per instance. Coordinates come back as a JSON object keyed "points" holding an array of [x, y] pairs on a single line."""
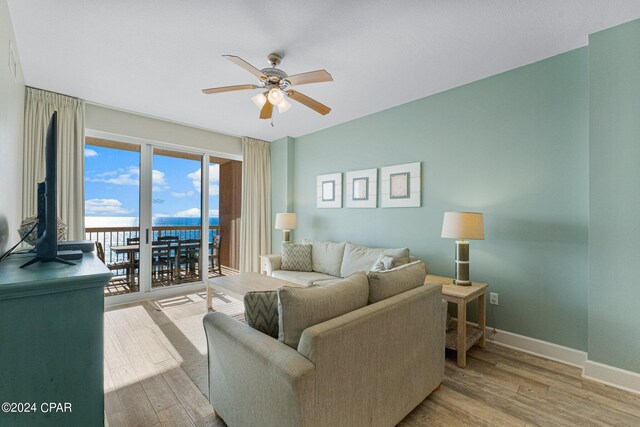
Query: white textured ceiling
{"points": [[154, 56]]}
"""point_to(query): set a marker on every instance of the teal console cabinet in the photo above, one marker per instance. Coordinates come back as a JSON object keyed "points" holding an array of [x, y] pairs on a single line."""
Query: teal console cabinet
{"points": [[51, 342]]}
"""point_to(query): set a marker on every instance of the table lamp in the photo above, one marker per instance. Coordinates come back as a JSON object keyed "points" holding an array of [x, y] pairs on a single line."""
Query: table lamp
{"points": [[286, 222], [461, 226]]}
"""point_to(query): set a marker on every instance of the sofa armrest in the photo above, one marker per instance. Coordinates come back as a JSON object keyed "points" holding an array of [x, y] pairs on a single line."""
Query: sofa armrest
{"points": [[255, 379], [272, 262]]}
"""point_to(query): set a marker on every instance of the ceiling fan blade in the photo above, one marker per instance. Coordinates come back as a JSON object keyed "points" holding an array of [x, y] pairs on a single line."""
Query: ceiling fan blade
{"points": [[309, 102], [317, 76], [228, 88], [266, 111], [244, 64]]}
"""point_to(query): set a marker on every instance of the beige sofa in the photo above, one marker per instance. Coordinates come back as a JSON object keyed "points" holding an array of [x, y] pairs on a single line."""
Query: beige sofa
{"points": [[333, 260], [368, 367]]}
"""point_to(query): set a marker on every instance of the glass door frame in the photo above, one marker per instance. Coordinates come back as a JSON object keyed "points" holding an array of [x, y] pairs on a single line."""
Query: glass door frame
{"points": [[145, 215]]}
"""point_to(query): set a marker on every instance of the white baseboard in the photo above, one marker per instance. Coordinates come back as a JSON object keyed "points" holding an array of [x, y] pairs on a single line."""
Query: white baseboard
{"points": [[604, 374], [609, 375], [538, 347]]}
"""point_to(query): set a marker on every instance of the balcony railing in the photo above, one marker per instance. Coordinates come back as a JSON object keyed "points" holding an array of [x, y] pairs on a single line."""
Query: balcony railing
{"points": [[125, 279]]}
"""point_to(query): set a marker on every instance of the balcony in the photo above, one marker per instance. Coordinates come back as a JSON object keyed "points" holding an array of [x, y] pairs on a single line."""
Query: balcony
{"points": [[175, 254]]}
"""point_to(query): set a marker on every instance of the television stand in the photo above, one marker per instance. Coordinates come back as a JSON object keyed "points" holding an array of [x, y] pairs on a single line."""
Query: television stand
{"points": [[56, 259]]}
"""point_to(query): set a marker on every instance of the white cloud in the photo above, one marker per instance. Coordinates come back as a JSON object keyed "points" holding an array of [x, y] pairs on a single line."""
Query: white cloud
{"points": [[159, 184], [131, 176], [104, 206], [88, 152], [213, 213], [214, 179], [189, 213], [181, 195]]}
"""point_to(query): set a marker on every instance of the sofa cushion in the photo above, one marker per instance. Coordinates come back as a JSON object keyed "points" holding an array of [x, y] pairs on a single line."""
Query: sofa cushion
{"points": [[296, 257], [304, 278], [360, 258], [261, 311], [299, 308], [385, 284], [326, 257]]}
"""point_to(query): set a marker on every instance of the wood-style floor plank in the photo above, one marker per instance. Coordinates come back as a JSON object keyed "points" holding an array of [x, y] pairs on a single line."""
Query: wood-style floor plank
{"points": [[145, 384]]}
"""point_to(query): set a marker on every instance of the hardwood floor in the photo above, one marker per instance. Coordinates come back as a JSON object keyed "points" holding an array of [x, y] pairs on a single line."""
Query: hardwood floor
{"points": [[146, 383]]}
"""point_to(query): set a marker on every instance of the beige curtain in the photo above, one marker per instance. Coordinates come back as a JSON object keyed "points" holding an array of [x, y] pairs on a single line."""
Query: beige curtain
{"points": [[39, 107], [255, 220]]}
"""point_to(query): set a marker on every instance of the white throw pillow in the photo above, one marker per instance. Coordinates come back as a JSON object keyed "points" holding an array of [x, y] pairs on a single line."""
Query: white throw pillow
{"points": [[326, 257], [383, 263]]}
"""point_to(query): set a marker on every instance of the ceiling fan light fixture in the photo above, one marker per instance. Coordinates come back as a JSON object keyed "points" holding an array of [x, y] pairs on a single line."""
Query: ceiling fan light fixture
{"points": [[283, 106], [276, 96], [259, 100]]}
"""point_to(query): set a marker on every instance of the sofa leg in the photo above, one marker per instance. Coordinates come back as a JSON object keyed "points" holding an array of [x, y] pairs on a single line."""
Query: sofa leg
{"points": [[437, 388]]}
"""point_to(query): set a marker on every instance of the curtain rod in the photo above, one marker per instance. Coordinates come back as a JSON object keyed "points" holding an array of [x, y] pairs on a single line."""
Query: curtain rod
{"points": [[57, 93]]}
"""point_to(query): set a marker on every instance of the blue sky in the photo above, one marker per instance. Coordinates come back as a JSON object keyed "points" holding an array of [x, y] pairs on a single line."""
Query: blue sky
{"points": [[112, 181]]}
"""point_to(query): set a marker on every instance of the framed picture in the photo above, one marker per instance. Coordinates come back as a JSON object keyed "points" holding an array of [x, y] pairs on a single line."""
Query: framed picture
{"points": [[362, 188], [400, 186], [329, 191]]}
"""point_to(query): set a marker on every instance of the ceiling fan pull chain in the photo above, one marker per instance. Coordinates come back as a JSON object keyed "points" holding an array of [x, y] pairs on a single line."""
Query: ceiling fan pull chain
{"points": [[271, 121]]}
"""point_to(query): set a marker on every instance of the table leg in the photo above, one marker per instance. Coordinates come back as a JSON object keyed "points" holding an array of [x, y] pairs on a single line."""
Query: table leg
{"points": [[482, 319], [209, 298], [462, 335]]}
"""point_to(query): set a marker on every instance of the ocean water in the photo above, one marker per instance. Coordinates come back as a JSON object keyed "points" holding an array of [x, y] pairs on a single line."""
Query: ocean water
{"points": [[132, 221]]}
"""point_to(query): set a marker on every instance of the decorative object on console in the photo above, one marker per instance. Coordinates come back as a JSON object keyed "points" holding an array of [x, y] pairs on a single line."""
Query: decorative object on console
{"points": [[400, 185], [362, 188], [286, 222], [329, 190], [32, 238], [461, 226]]}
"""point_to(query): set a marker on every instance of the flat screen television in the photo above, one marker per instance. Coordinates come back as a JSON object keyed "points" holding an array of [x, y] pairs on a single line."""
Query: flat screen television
{"points": [[47, 243]]}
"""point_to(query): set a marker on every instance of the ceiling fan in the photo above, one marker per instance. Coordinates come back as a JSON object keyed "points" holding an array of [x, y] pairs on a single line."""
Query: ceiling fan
{"points": [[276, 84]]}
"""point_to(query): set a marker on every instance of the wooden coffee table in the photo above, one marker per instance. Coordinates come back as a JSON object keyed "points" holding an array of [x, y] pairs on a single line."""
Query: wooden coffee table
{"points": [[239, 284]]}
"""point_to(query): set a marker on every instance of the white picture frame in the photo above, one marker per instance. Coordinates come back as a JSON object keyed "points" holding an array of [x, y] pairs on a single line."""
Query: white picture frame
{"points": [[362, 188], [400, 186], [329, 191]]}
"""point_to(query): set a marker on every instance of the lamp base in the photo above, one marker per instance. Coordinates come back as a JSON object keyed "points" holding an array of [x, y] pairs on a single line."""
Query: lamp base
{"points": [[462, 264], [285, 236]]}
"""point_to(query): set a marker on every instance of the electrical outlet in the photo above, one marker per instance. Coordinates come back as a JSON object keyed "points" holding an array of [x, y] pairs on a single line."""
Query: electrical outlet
{"points": [[493, 298]]}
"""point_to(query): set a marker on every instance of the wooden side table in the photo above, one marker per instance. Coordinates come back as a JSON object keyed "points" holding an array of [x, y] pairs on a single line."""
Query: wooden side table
{"points": [[464, 336]]}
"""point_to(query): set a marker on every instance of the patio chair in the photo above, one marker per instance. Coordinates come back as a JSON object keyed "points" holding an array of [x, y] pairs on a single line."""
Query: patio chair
{"points": [[163, 261], [214, 254], [129, 267], [189, 254]]}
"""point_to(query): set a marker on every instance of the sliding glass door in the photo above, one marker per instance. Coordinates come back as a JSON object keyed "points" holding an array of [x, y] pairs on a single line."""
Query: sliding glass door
{"points": [[176, 254], [112, 210]]}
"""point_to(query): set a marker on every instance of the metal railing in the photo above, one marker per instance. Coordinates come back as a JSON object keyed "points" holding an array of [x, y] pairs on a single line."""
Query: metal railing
{"points": [[118, 236]]}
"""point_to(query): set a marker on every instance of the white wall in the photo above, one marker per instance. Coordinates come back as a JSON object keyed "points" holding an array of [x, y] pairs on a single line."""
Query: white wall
{"points": [[11, 122], [120, 122]]}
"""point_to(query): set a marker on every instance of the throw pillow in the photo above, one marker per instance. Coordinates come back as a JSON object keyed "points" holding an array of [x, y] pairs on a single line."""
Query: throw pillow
{"points": [[261, 311], [361, 258], [383, 263], [299, 308], [326, 257], [385, 284], [296, 257]]}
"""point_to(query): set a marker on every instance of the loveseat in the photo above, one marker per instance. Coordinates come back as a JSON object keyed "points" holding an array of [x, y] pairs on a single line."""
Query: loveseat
{"points": [[367, 367], [333, 260]]}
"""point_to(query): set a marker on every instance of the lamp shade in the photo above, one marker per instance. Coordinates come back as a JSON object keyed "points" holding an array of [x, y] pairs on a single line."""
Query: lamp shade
{"points": [[286, 221], [463, 225]]}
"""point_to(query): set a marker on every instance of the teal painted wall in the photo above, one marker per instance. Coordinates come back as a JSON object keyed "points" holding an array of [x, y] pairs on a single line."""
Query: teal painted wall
{"points": [[281, 185], [614, 227], [514, 146]]}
